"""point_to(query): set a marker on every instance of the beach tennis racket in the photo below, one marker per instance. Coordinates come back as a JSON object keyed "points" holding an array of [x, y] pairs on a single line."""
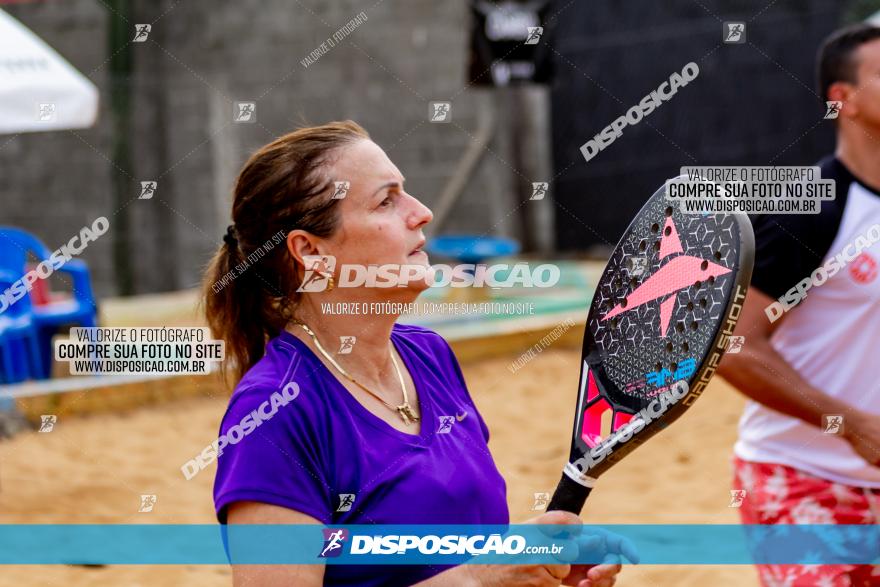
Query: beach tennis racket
{"points": [[660, 321]]}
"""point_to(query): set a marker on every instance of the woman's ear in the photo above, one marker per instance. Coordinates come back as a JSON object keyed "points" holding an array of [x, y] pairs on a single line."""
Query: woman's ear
{"points": [[300, 244]]}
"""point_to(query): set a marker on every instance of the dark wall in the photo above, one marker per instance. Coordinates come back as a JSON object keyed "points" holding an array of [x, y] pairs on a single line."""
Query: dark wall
{"points": [[752, 104]]}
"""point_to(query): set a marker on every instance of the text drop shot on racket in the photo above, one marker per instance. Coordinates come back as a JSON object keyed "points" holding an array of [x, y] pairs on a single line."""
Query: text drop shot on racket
{"points": [[660, 321]]}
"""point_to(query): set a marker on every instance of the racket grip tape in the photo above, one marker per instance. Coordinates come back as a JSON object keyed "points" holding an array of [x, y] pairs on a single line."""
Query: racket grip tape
{"points": [[569, 496]]}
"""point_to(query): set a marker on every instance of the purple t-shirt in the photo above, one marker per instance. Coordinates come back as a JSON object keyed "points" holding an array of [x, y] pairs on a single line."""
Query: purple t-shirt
{"points": [[325, 443]]}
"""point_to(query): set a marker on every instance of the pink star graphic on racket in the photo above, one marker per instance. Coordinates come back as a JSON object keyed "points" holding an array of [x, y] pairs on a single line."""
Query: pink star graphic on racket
{"points": [[678, 273]]}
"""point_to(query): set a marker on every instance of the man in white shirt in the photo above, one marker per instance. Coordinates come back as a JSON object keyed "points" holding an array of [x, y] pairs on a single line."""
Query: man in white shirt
{"points": [[809, 439]]}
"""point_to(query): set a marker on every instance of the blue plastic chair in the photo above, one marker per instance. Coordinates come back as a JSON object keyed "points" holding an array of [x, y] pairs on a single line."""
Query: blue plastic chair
{"points": [[47, 319], [472, 249], [19, 342]]}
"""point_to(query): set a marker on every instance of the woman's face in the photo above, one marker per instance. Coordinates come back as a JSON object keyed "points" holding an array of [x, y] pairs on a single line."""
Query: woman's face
{"points": [[380, 224]]}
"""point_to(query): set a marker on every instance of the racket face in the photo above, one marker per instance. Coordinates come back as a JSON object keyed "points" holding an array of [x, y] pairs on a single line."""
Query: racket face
{"points": [[660, 320]]}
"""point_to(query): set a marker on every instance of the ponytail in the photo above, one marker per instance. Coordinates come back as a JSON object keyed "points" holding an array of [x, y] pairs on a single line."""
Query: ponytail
{"points": [[249, 286]]}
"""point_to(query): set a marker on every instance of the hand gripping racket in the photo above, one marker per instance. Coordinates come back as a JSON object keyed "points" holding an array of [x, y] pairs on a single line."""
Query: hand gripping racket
{"points": [[660, 321]]}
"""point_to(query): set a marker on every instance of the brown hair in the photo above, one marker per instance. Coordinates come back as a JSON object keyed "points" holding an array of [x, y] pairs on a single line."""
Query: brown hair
{"points": [[282, 187], [836, 60]]}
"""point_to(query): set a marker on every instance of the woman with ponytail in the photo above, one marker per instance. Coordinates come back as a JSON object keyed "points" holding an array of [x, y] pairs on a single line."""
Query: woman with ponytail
{"points": [[353, 436]]}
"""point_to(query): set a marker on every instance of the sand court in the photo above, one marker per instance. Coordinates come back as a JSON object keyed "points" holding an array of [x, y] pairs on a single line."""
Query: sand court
{"points": [[94, 469]]}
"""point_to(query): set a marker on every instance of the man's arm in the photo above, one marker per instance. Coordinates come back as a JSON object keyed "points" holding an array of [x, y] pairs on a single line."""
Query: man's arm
{"points": [[763, 375]]}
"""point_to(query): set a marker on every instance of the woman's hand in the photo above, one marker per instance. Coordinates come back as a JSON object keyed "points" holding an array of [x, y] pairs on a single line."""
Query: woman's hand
{"points": [[510, 575], [592, 576], [595, 541], [544, 575], [612, 549], [579, 541], [609, 546]]}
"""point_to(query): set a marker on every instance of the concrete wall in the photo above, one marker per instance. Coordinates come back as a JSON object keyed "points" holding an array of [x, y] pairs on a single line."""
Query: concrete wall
{"points": [[198, 60]]}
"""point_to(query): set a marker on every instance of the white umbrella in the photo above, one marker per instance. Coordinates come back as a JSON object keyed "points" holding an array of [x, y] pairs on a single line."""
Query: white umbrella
{"points": [[39, 90]]}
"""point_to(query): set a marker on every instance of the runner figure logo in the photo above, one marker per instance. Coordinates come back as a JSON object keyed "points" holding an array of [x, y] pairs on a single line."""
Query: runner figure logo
{"points": [[445, 424], [46, 112], [736, 498], [333, 541], [47, 422], [832, 109], [636, 266], [534, 35], [735, 344], [147, 503], [441, 111], [346, 344], [832, 423], [346, 500], [319, 269], [141, 32], [245, 112], [539, 190], [734, 32], [541, 501], [340, 189], [148, 188]]}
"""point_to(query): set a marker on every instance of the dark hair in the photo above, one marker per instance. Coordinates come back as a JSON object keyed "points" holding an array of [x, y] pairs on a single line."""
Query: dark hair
{"points": [[282, 187], [836, 60]]}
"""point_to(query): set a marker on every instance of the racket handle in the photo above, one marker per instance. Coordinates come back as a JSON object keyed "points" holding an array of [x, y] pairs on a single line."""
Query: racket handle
{"points": [[569, 496]]}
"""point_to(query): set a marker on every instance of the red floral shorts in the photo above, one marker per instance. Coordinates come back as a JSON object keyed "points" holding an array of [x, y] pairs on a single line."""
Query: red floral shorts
{"points": [[778, 494]]}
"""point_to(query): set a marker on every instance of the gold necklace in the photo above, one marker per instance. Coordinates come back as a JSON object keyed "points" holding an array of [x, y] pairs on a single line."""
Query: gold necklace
{"points": [[404, 410]]}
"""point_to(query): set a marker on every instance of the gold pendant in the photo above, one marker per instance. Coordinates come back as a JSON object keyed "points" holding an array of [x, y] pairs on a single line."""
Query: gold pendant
{"points": [[406, 413]]}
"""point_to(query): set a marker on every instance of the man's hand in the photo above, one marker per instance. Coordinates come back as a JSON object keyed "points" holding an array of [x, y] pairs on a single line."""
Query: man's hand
{"points": [[612, 547]]}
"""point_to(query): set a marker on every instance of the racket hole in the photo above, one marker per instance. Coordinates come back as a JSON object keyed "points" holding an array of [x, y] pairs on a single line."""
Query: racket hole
{"points": [[617, 282], [657, 246], [668, 231], [659, 366], [680, 326], [669, 347], [668, 211], [698, 284], [643, 245], [695, 325], [614, 323], [623, 303], [655, 227], [703, 302], [685, 347], [718, 255], [704, 265], [711, 280], [633, 282], [690, 306], [674, 367]]}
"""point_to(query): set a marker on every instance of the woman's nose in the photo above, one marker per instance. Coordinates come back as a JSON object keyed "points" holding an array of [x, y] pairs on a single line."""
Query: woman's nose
{"points": [[420, 214]]}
